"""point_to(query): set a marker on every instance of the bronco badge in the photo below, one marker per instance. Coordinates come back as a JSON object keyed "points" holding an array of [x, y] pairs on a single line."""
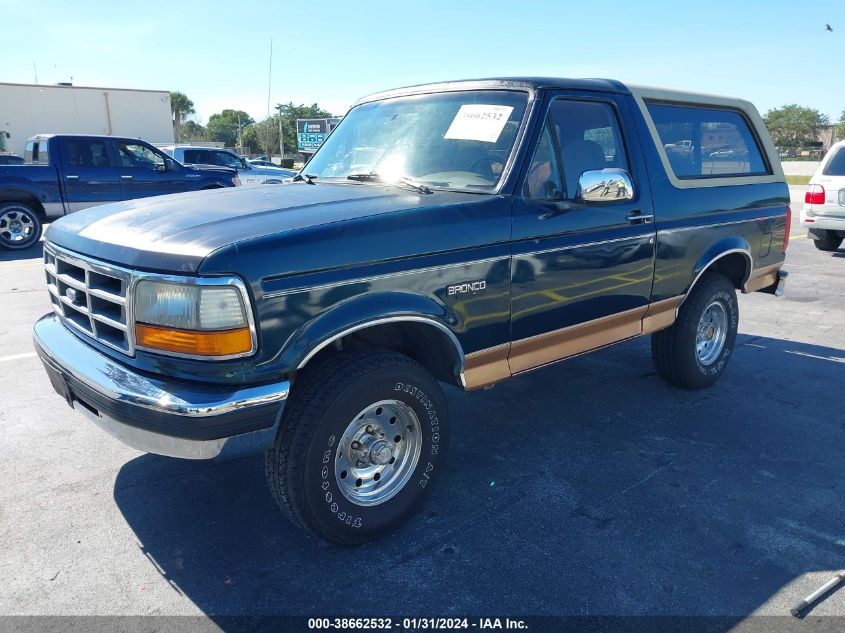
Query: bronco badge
{"points": [[470, 286]]}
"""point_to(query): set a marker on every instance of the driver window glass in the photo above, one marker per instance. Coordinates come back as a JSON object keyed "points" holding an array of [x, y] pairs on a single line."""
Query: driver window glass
{"points": [[543, 180], [589, 137], [136, 156]]}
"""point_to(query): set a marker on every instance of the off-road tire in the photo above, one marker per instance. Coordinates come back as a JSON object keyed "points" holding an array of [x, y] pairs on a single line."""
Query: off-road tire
{"points": [[300, 465], [673, 350], [829, 243], [19, 211]]}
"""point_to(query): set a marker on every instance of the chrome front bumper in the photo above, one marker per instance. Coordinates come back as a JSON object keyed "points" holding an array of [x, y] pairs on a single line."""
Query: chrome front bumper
{"points": [[150, 413]]}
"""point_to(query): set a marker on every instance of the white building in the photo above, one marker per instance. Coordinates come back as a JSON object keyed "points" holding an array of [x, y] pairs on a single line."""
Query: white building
{"points": [[26, 110]]}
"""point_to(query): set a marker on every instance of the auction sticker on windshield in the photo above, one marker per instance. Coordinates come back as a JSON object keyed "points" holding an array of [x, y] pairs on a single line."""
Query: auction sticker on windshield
{"points": [[479, 122]]}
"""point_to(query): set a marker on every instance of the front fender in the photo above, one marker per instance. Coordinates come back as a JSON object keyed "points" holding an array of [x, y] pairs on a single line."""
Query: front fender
{"points": [[213, 181], [362, 312]]}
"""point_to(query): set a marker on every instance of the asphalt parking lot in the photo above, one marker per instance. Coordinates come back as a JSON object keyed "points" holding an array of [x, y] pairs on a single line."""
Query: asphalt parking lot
{"points": [[587, 488]]}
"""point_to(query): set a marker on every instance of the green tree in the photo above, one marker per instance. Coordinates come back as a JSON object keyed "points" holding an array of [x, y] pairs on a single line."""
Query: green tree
{"points": [[180, 107], [267, 135], [249, 140], [840, 128], [192, 131], [290, 113], [794, 125], [225, 126]]}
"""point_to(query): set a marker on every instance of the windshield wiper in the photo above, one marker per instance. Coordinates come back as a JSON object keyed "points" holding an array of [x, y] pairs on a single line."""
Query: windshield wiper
{"points": [[308, 178], [373, 177]]}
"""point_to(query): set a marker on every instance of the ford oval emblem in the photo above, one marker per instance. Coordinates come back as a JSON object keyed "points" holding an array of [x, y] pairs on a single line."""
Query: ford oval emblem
{"points": [[71, 294]]}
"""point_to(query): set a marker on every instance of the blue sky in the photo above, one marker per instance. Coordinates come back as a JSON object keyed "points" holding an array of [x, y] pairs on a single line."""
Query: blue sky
{"points": [[771, 52]]}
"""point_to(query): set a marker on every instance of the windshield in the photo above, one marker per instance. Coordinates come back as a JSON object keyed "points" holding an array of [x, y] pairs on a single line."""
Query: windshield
{"points": [[452, 139]]}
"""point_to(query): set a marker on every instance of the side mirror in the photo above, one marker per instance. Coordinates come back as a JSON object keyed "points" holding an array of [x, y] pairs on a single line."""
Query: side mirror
{"points": [[170, 165], [604, 186]]}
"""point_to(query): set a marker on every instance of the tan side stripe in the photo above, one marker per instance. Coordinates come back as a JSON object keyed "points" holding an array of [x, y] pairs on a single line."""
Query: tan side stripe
{"points": [[661, 314], [487, 366], [762, 277], [553, 346], [494, 364]]}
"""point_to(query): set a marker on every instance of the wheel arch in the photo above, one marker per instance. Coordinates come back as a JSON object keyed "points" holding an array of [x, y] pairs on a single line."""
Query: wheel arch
{"points": [[731, 257], [23, 195], [407, 323]]}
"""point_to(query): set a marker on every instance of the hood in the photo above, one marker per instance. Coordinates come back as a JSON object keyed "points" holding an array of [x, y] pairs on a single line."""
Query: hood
{"points": [[216, 170], [174, 233], [272, 171]]}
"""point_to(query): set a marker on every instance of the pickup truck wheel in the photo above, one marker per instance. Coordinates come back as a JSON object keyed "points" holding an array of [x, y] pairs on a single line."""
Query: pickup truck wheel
{"points": [[829, 243], [360, 444], [20, 226], [694, 352]]}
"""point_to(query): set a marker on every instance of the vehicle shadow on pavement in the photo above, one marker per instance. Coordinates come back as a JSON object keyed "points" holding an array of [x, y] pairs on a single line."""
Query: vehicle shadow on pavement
{"points": [[34, 252], [587, 488]]}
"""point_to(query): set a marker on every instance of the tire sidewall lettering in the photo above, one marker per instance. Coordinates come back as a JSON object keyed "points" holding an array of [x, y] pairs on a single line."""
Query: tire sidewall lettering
{"points": [[332, 501], [728, 301]]}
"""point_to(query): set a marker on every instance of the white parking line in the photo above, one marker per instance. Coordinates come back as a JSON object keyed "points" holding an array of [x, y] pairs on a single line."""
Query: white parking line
{"points": [[17, 356]]}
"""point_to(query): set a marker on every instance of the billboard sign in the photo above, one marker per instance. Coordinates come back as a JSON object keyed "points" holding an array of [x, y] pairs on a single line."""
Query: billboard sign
{"points": [[310, 133]]}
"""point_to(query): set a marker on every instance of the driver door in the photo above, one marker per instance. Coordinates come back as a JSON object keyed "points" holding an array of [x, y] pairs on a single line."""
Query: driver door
{"points": [[145, 171], [581, 274]]}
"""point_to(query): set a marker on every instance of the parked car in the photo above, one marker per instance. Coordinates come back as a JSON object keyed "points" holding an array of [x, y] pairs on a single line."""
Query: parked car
{"points": [[727, 153], [683, 148], [11, 159], [65, 173], [824, 203], [248, 173], [490, 236]]}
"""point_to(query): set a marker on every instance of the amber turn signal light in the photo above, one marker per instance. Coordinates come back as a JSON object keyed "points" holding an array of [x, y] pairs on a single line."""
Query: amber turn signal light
{"points": [[220, 343]]}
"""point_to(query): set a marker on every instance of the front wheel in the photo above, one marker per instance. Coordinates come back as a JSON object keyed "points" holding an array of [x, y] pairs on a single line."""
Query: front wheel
{"points": [[829, 243], [360, 444], [20, 226], [695, 351]]}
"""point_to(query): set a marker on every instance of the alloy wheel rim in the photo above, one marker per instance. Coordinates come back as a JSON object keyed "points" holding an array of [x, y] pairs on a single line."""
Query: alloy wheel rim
{"points": [[378, 452], [16, 226], [712, 332]]}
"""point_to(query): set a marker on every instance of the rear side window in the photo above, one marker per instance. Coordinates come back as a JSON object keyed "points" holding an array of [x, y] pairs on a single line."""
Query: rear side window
{"points": [[836, 165], [705, 142], [87, 154], [195, 156]]}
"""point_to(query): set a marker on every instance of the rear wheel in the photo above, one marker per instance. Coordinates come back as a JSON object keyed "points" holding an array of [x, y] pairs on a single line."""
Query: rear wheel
{"points": [[360, 444], [20, 225], [830, 242], [694, 352]]}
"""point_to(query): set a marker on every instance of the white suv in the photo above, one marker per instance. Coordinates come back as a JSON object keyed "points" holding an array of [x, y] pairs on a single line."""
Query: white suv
{"points": [[824, 203]]}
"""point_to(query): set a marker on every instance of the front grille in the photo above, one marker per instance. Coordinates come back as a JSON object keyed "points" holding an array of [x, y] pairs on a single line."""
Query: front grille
{"points": [[90, 296]]}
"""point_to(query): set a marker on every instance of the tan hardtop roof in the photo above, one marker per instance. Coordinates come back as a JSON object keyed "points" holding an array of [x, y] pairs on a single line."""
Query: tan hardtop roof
{"points": [[642, 94]]}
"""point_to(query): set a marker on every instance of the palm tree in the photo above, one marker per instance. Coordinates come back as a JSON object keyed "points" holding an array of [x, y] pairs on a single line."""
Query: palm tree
{"points": [[181, 107]]}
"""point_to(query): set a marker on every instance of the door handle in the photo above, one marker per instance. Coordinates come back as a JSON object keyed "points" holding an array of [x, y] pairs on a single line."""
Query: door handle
{"points": [[126, 177], [71, 177], [638, 217]]}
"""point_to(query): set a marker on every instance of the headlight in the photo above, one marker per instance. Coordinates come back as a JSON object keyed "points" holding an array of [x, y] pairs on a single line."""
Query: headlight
{"points": [[236, 181], [193, 319]]}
